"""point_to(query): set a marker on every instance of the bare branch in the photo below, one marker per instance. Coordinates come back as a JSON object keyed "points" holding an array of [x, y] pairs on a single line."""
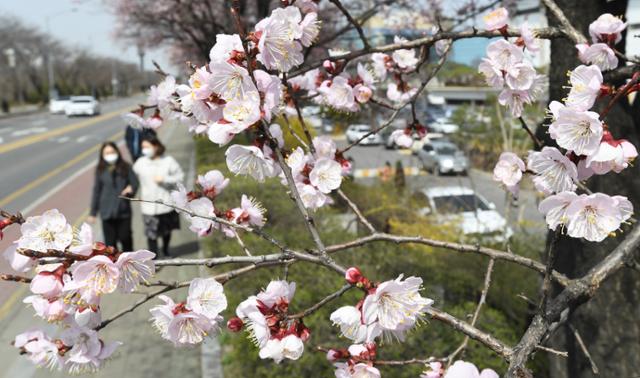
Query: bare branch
{"points": [[576, 293], [569, 29], [483, 297], [464, 248], [576, 334], [353, 22], [324, 301], [357, 211], [488, 340]]}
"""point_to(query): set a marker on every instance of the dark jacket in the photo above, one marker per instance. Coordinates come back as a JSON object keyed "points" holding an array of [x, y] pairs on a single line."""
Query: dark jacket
{"points": [[106, 194], [133, 137]]}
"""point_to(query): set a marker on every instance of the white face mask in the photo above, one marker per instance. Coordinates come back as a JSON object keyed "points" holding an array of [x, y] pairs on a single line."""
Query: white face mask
{"points": [[148, 151], [110, 158]]}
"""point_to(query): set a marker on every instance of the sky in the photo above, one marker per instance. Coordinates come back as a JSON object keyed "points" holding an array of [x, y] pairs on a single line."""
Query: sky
{"points": [[79, 23]]}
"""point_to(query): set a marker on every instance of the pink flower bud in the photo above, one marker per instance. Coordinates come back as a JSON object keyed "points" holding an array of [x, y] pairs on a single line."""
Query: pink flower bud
{"points": [[329, 65], [353, 275], [333, 355], [235, 324]]}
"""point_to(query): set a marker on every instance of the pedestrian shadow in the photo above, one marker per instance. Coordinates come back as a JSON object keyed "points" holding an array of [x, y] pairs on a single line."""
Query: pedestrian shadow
{"points": [[184, 248]]}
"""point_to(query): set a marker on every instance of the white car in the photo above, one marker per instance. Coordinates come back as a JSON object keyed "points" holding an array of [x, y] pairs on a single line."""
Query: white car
{"points": [[58, 105], [443, 126], [312, 117], [356, 132], [467, 210], [82, 105]]}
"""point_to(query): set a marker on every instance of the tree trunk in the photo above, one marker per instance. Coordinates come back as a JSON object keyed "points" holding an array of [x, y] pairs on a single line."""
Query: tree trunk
{"points": [[608, 324]]}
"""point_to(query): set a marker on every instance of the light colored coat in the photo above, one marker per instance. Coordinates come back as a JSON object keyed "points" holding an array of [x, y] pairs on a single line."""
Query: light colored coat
{"points": [[147, 169]]}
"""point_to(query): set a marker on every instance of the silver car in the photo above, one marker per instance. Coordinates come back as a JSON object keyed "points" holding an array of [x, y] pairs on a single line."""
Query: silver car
{"points": [[357, 132], [441, 157]]}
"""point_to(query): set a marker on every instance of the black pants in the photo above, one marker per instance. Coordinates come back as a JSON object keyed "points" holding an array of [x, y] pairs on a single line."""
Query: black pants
{"points": [[153, 245], [118, 230]]}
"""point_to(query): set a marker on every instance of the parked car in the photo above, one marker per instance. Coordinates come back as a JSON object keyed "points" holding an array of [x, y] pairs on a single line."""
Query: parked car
{"points": [[465, 209], [418, 143], [82, 105], [355, 132], [442, 157], [57, 105], [312, 117], [444, 126]]}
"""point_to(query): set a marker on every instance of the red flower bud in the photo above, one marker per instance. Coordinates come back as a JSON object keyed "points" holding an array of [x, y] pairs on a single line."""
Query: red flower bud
{"points": [[334, 355], [303, 332], [3, 224], [235, 324], [353, 275]]}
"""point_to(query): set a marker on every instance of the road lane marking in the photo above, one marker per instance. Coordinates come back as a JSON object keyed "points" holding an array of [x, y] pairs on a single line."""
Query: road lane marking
{"points": [[62, 139], [31, 130], [59, 131], [82, 139], [6, 200]]}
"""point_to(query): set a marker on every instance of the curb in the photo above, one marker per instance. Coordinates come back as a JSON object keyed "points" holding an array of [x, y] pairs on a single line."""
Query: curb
{"points": [[210, 350]]}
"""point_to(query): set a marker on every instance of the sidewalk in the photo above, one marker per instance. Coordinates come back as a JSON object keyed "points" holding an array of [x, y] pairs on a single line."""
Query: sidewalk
{"points": [[144, 353]]}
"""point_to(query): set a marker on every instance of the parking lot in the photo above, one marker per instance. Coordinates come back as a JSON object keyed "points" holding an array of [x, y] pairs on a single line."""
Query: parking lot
{"points": [[370, 160]]}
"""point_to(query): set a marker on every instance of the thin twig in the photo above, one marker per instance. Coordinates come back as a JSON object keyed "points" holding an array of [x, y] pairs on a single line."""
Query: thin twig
{"points": [[483, 297], [357, 212], [244, 247], [463, 248], [324, 301], [583, 346], [353, 22], [14, 278], [534, 138]]}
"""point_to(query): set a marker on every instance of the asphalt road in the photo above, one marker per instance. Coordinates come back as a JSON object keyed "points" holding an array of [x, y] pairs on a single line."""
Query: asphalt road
{"points": [[46, 163], [45, 149], [370, 159]]}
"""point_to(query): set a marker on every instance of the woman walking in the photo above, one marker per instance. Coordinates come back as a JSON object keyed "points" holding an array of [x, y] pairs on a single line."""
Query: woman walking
{"points": [[114, 178], [158, 175]]}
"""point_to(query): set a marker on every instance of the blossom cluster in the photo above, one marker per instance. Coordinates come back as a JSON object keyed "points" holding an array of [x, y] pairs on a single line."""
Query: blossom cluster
{"points": [[459, 369], [605, 33], [317, 174], [586, 147], [388, 310], [198, 206], [266, 318], [68, 293], [335, 87], [506, 68], [188, 323], [222, 98]]}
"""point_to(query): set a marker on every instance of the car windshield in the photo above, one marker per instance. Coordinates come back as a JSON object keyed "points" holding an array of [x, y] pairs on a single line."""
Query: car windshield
{"points": [[364, 129], [459, 203], [446, 150], [82, 100], [63, 98]]}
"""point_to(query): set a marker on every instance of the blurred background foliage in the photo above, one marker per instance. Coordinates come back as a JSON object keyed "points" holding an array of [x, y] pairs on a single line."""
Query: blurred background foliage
{"points": [[452, 279]]}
